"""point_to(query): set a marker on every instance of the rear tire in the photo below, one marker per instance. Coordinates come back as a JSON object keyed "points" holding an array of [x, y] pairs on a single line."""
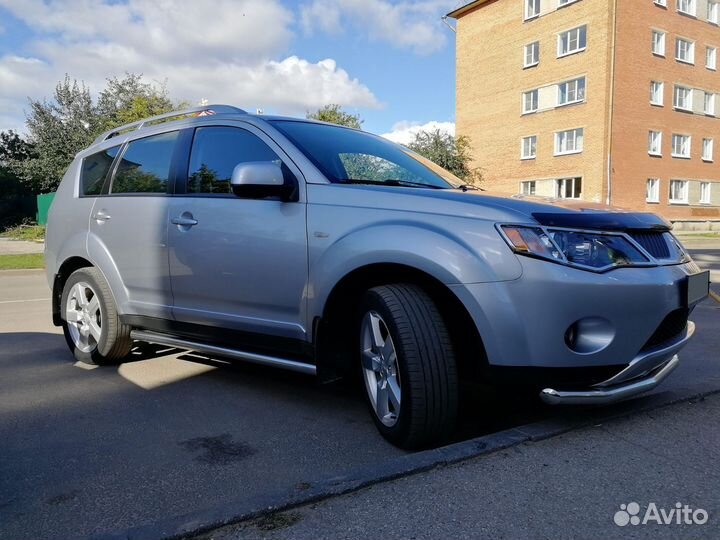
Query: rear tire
{"points": [[408, 366], [90, 320]]}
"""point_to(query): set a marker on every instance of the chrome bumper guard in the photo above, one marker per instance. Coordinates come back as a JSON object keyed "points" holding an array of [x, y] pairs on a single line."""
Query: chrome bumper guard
{"points": [[644, 373]]}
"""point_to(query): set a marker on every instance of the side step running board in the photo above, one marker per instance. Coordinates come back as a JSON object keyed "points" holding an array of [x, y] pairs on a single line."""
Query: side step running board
{"points": [[255, 358]]}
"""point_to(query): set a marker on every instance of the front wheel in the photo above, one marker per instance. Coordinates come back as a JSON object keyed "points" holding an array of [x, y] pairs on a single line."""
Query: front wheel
{"points": [[408, 366], [91, 325]]}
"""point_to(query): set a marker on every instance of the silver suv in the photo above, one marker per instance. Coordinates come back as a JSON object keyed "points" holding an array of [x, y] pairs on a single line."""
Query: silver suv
{"points": [[331, 251]]}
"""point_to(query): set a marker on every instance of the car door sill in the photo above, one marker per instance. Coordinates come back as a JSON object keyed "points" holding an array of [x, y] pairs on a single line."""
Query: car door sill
{"points": [[255, 358]]}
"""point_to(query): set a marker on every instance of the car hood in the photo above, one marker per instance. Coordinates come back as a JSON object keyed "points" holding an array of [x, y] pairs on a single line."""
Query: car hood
{"points": [[557, 212]]}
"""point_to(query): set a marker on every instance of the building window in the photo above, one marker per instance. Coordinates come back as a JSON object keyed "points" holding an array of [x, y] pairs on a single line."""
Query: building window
{"points": [[713, 13], [562, 3], [572, 41], [532, 9], [705, 192], [568, 188], [681, 146], [530, 101], [686, 6], [652, 190], [662, 3], [569, 142], [527, 188], [658, 42], [679, 191], [682, 98], [708, 145], [532, 54], [711, 58], [655, 143], [684, 51], [709, 104], [657, 93], [529, 147], [571, 91]]}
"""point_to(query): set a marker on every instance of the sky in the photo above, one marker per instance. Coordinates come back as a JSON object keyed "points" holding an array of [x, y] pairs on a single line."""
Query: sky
{"points": [[390, 61]]}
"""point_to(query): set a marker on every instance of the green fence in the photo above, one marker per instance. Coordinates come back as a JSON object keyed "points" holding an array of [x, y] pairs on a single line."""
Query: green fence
{"points": [[43, 207]]}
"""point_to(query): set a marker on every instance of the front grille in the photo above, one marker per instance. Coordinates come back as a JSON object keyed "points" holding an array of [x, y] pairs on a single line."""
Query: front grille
{"points": [[671, 326], [653, 242]]}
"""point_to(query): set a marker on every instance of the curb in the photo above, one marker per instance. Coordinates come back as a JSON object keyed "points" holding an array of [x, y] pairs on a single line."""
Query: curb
{"points": [[194, 523]]}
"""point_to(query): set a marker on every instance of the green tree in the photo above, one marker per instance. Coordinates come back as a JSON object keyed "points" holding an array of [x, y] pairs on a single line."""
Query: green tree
{"points": [[334, 114], [58, 129], [131, 99], [451, 153]]}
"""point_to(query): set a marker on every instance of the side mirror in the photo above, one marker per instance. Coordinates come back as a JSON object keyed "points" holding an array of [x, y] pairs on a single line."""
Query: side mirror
{"points": [[261, 179]]}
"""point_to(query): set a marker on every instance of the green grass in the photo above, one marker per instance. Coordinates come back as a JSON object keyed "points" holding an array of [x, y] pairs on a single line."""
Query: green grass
{"points": [[15, 262], [32, 233]]}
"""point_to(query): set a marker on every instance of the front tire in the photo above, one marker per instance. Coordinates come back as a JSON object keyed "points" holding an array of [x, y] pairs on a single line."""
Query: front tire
{"points": [[90, 320], [408, 366]]}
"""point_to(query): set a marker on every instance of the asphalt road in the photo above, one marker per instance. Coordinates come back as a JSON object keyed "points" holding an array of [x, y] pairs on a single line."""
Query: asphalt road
{"points": [[91, 450]]}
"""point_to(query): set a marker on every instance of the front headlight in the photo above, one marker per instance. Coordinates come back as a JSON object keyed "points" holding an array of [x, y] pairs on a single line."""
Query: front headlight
{"points": [[589, 250]]}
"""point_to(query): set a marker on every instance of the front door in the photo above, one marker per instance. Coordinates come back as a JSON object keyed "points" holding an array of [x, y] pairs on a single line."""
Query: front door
{"points": [[236, 263]]}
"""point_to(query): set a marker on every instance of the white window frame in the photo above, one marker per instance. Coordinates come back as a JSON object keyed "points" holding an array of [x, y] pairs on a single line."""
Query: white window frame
{"points": [[709, 104], [579, 48], [688, 7], [652, 190], [708, 149], [535, 12], [687, 104], [662, 3], [563, 3], [563, 138], [526, 110], [655, 143], [534, 49], [686, 144], [705, 192], [658, 45], [683, 192], [713, 13], [657, 93], [528, 152], [561, 184], [531, 185], [690, 59], [576, 86], [711, 58]]}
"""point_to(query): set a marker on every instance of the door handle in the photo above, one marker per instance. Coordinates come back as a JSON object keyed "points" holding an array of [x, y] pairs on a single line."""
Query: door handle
{"points": [[185, 220], [101, 215]]}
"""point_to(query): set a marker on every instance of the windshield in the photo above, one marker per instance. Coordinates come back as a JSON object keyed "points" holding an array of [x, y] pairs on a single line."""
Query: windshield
{"points": [[351, 156]]}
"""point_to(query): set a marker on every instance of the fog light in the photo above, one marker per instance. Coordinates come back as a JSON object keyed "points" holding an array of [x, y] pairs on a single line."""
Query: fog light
{"points": [[589, 335]]}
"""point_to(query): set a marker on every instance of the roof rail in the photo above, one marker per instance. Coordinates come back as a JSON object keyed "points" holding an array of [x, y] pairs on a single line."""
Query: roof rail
{"points": [[133, 126]]}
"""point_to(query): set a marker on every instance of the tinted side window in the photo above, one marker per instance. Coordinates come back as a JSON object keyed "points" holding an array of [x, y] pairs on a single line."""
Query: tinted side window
{"points": [[95, 169], [145, 165], [215, 153]]}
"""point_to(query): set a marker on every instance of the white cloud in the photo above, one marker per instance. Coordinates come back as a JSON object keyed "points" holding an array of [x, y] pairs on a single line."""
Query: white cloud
{"points": [[231, 53], [414, 25], [404, 132]]}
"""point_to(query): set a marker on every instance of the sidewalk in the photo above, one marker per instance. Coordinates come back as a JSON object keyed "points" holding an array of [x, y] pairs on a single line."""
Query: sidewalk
{"points": [[20, 247], [570, 486]]}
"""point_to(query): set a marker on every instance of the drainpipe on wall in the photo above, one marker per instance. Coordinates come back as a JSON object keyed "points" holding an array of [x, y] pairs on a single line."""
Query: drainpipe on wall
{"points": [[612, 103]]}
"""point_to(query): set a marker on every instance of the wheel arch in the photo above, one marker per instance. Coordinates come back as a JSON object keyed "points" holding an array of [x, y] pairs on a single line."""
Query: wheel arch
{"points": [[334, 329], [68, 266]]}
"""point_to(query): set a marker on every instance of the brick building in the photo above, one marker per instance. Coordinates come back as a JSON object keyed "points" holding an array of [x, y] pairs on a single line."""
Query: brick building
{"points": [[602, 100]]}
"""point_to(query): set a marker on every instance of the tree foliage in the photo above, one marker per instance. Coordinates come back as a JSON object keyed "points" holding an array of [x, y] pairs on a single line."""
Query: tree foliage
{"points": [[451, 153], [334, 114], [61, 127]]}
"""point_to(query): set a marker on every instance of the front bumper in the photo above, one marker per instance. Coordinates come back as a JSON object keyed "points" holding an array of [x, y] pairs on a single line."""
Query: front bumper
{"points": [[644, 373]]}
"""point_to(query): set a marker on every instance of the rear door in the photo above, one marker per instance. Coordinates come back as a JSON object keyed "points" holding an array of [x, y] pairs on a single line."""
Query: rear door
{"points": [[237, 263], [128, 225]]}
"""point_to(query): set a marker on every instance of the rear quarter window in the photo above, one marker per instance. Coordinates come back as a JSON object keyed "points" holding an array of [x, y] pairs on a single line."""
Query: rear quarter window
{"points": [[95, 169]]}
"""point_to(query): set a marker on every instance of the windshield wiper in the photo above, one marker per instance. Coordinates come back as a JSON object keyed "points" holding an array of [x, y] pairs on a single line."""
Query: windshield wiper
{"points": [[390, 182], [468, 187]]}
